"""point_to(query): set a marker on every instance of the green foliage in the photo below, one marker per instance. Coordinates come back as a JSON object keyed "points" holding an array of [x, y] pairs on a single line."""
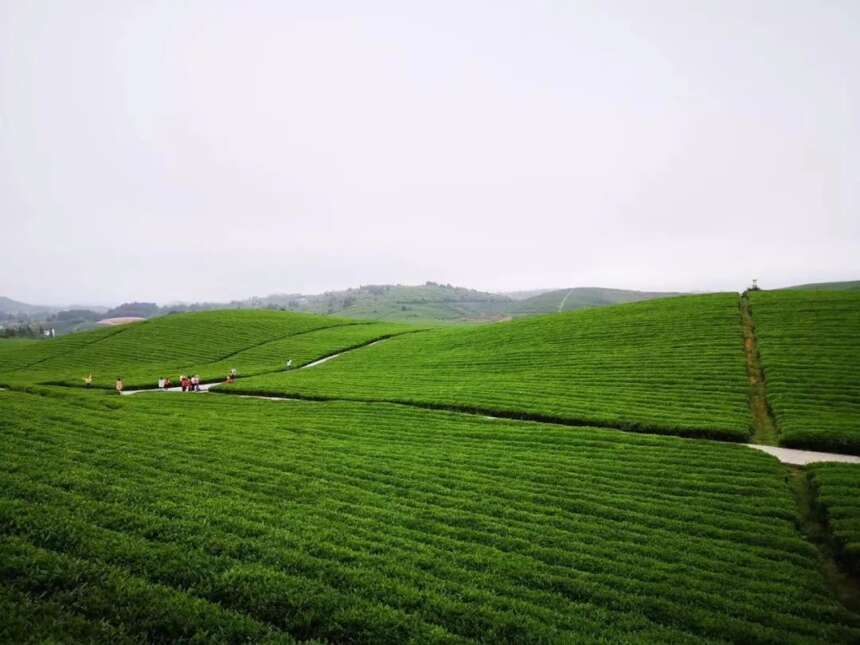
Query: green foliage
{"points": [[809, 342], [198, 519], [837, 498], [207, 343], [669, 366]]}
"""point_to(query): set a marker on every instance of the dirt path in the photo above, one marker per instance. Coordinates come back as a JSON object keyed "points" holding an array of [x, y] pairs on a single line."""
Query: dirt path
{"points": [[764, 428], [564, 300]]}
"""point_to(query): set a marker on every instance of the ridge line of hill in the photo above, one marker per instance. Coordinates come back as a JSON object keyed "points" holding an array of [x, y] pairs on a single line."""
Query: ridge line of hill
{"points": [[276, 339], [115, 332]]}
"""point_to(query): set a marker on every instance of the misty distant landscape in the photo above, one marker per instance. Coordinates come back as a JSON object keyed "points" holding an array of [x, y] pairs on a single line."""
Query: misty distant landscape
{"points": [[430, 302]]}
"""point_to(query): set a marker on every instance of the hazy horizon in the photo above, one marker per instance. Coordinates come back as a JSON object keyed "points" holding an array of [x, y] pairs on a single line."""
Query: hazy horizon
{"points": [[213, 151], [503, 292]]}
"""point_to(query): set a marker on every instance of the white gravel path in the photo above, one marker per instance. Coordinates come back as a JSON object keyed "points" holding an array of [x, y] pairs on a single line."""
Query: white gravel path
{"points": [[204, 387], [803, 457]]}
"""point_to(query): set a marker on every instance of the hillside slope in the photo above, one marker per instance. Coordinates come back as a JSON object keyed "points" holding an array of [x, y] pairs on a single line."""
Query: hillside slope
{"points": [[850, 285], [809, 342], [675, 365], [208, 343], [562, 300]]}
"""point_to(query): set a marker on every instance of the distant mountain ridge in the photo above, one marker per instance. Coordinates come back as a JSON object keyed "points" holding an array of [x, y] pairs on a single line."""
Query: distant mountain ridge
{"points": [[428, 302], [848, 285], [431, 301], [9, 306], [584, 297]]}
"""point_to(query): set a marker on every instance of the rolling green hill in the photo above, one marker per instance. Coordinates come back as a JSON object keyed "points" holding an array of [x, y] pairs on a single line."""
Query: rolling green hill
{"points": [[208, 343], [809, 343], [670, 366], [199, 519], [446, 303], [562, 300], [416, 303], [853, 285]]}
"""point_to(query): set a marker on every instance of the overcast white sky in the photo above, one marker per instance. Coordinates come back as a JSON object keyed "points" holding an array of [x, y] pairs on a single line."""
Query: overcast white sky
{"points": [[213, 150]]}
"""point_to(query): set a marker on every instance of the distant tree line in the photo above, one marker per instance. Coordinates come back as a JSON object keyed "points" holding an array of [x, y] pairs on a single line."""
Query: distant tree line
{"points": [[22, 331]]}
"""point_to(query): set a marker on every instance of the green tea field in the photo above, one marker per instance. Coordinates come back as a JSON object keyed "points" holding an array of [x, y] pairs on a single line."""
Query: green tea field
{"points": [[165, 518], [837, 497], [670, 366], [208, 344], [514, 482], [809, 343]]}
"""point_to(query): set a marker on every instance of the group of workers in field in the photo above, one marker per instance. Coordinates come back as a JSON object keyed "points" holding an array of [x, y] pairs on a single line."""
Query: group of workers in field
{"points": [[187, 383]]}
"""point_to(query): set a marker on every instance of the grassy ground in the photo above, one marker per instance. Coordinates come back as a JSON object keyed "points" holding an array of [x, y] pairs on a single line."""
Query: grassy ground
{"points": [[214, 518], [671, 366], [809, 342]]}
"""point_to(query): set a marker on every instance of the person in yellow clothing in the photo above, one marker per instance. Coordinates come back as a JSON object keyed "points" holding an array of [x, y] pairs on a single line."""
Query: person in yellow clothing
{"points": [[88, 380], [119, 385]]}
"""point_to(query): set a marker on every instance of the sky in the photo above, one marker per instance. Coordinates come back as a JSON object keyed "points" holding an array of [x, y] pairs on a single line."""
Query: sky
{"points": [[207, 150]]}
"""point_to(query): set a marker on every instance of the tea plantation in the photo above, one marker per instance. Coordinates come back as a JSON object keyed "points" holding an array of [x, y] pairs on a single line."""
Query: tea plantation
{"points": [[212, 518], [445, 485], [837, 496], [207, 343], [809, 343], [672, 366]]}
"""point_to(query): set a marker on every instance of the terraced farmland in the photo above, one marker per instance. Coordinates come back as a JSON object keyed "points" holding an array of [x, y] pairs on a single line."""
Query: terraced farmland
{"points": [[208, 343], [19, 356], [809, 342], [215, 518], [837, 497], [668, 366]]}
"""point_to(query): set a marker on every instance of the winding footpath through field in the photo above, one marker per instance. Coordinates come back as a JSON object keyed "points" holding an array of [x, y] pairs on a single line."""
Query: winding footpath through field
{"points": [[564, 300]]}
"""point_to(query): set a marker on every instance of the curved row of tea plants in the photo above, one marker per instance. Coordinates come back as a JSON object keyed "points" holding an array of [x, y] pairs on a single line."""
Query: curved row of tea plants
{"points": [[668, 366], [207, 343], [837, 497], [217, 518], [809, 343]]}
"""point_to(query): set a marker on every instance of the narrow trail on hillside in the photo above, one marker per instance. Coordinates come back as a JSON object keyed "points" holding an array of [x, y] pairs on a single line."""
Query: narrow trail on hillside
{"points": [[564, 300], [764, 428]]}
